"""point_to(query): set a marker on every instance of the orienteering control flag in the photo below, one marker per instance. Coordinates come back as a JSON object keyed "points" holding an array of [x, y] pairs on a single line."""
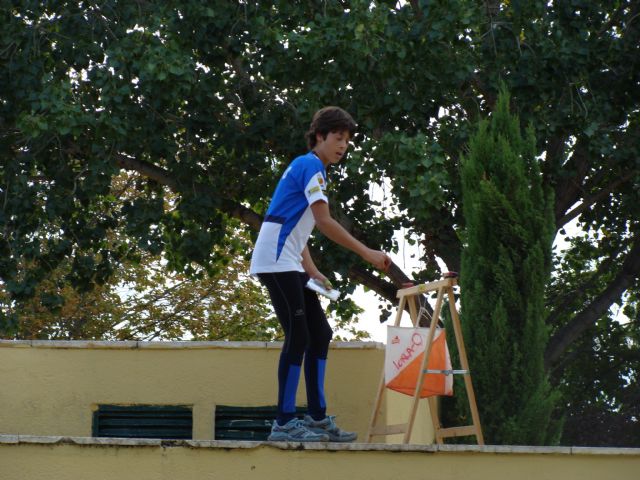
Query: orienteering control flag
{"points": [[403, 359]]}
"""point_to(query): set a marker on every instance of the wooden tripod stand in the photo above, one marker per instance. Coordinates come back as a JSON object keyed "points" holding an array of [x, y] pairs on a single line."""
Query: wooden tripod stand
{"points": [[409, 297]]}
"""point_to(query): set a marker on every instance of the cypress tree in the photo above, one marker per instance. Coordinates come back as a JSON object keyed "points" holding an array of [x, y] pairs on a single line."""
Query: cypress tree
{"points": [[506, 263]]}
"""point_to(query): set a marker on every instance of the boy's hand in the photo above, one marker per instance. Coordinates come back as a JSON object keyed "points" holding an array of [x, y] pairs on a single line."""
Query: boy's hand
{"points": [[378, 259], [323, 280]]}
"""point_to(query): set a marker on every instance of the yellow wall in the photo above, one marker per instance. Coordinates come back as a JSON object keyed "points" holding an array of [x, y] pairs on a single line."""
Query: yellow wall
{"points": [[49, 389], [397, 408], [52, 388], [71, 461]]}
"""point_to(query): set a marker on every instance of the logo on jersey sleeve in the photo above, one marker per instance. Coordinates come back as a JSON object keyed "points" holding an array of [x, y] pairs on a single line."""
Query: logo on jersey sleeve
{"points": [[317, 184]]}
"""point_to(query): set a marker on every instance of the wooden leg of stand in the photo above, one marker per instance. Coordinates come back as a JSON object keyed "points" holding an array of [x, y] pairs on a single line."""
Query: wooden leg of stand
{"points": [[435, 418], [413, 310], [455, 320], [376, 407], [400, 311], [427, 352], [381, 385]]}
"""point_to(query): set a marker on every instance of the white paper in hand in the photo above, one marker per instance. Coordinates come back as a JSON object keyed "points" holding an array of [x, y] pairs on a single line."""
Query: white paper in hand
{"points": [[318, 287]]}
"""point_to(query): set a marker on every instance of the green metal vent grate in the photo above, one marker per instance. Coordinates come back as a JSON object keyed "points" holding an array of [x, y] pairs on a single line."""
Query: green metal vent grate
{"points": [[246, 423], [143, 421]]}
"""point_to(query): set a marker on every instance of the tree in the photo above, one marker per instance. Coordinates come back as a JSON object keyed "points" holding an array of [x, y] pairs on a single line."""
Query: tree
{"points": [[506, 263], [209, 101], [143, 300], [607, 398]]}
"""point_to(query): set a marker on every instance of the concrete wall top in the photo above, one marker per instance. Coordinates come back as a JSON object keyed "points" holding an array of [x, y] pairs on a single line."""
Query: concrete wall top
{"points": [[212, 444], [43, 458], [96, 344]]}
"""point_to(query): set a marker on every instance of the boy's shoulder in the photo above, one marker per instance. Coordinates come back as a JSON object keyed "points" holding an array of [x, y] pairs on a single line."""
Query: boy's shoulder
{"points": [[307, 161]]}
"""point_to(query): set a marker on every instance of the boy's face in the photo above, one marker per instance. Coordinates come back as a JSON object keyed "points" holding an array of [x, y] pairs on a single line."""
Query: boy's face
{"points": [[332, 149]]}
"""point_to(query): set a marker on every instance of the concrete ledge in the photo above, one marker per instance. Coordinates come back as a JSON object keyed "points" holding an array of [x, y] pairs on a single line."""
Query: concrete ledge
{"points": [[351, 447], [179, 345], [74, 458], [131, 345]]}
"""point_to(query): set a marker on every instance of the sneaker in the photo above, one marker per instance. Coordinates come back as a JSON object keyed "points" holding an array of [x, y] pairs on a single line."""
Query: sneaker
{"points": [[295, 431], [329, 427]]}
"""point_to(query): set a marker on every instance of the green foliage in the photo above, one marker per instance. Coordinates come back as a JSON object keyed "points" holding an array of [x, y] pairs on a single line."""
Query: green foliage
{"points": [[607, 402], [146, 301], [143, 299], [505, 267], [607, 399]]}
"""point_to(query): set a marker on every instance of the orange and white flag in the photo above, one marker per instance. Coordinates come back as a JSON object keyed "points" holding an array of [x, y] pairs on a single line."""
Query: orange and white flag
{"points": [[403, 359]]}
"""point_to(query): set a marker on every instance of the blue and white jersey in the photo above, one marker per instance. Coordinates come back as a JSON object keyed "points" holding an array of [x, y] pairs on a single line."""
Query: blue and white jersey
{"points": [[289, 220]]}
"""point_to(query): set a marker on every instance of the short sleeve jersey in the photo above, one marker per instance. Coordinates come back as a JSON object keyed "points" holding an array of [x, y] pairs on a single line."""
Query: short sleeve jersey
{"points": [[289, 219]]}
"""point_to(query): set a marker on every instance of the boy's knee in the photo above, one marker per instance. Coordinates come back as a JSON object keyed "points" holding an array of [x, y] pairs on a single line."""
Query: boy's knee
{"points": [[328, 334], [298, 339], [321, 340]]}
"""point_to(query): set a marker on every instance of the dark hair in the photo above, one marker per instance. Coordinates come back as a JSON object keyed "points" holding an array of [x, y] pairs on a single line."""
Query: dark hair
{"points": [[329, 119]]}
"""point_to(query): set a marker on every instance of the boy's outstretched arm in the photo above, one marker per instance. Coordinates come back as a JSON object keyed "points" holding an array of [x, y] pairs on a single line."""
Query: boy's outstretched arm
{"points": [[338, 234]]}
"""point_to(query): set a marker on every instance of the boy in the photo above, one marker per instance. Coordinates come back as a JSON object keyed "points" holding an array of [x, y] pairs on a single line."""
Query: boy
{"points": [[282, 262]]}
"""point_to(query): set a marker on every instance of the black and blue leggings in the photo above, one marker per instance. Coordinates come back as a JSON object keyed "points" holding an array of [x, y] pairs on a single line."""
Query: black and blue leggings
{"points": [[306, 335]]}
